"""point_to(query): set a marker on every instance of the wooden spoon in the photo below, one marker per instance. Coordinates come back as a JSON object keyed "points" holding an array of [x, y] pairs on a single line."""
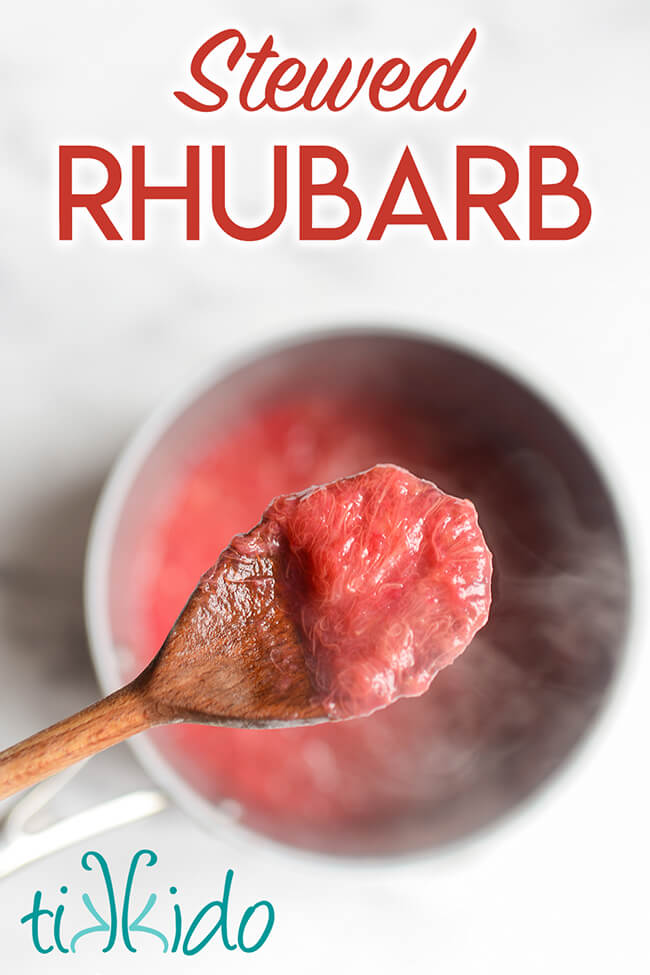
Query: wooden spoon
{"points": [[233, 657], [306, 618]]}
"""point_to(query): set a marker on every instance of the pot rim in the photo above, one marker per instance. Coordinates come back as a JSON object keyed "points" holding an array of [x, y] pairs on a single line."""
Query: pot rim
{"points": [[143, 441]]}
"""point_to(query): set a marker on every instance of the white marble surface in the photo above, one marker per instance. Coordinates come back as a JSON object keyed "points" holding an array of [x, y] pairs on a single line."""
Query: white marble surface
{"points": [[92, 337]]}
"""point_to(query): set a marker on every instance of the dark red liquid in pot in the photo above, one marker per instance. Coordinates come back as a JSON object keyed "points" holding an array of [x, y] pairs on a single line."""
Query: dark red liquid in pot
{"points": [[426, 769]]}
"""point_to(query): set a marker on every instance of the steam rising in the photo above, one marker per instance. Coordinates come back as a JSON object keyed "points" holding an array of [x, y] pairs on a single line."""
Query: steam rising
{"points": [[510, 709]]}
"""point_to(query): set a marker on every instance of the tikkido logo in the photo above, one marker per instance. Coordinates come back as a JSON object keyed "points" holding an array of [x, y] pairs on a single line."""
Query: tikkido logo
{"points": [[121, 923]]}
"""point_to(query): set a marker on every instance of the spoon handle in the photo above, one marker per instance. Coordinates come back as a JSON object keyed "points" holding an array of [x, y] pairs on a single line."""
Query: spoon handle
{"points": [[99, 726]]}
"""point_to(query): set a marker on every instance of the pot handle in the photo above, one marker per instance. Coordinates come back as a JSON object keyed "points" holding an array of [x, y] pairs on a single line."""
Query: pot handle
{"points": [[19, 845]]}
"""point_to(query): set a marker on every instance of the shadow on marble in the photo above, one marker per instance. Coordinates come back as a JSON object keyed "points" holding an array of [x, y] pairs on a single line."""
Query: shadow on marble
{"points": [[46, 669]]}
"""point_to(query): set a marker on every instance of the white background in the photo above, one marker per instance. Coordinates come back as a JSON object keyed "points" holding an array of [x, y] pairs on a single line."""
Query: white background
{"points": [[93, 335]]}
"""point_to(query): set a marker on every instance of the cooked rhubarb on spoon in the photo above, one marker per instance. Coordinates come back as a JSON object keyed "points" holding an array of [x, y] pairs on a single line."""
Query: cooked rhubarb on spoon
{"points": [[342, 599]]}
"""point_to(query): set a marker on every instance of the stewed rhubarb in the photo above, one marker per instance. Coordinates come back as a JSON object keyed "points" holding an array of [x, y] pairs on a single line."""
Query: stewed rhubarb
{"points": [[386, 576]]}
